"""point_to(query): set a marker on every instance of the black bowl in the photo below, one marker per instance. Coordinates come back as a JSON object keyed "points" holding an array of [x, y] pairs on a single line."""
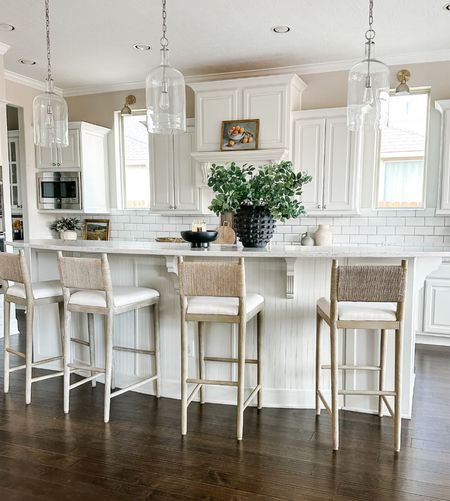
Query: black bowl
{"points": [[199, 239]]}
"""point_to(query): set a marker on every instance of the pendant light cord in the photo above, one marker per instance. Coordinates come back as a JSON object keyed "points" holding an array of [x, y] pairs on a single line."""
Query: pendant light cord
{"points": [[47, 27], [370, 35], [163, 40]]}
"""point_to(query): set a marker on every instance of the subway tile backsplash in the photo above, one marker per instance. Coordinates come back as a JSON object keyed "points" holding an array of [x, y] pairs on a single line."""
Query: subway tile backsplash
{"points": [[370, 227]]}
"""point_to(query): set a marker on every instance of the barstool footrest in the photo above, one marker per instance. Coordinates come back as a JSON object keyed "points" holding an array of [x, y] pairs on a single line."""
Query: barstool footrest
{"points": [[85, 367], [376, 393], [17, 368], [212, 381], [252, 395], [229, 360], [48, 376], [17, 353], [354, 367], [79, 341], [83, 381], [133, 386], [134, 350], [47, 360]]}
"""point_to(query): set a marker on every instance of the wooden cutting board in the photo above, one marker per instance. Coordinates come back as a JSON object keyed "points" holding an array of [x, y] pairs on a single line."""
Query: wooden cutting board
{"points": [[226, 234]]}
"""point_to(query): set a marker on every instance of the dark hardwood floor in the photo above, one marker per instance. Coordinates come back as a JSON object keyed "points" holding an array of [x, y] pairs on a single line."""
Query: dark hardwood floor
{"points": [[285, 453]]}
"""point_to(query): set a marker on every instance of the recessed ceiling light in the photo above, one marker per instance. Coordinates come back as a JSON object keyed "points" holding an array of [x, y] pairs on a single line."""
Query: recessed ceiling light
{"points": [[6, 27], [281, 29], [446, 6], [28, 62], [142, 46]]}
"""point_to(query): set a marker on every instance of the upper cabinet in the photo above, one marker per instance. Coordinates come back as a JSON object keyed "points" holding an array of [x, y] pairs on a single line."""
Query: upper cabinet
{"points": [[324, 147], [15, 170], [444, 198], [172, 171], [271, 99]]}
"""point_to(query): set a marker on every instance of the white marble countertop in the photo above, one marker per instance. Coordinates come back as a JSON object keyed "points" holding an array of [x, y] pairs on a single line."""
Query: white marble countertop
{"points": [[277, 251]]}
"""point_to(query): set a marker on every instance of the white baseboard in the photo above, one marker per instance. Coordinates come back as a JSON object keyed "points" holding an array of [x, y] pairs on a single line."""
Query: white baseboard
{"points": [[433, 339]]}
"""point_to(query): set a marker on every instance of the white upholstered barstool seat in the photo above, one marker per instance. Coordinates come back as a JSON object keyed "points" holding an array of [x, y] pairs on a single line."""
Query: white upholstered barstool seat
{"points": [[13, 267], [214, 292], [123, 297], [211, 305], [370, 298]]}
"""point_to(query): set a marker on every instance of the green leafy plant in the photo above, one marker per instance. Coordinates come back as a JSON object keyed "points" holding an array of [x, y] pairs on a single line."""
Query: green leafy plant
{"points": [[275, 186], [66, 224]]}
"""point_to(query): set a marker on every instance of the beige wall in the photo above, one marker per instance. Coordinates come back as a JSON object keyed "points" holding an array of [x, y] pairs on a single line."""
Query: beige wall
{"points": [[99, 108]]}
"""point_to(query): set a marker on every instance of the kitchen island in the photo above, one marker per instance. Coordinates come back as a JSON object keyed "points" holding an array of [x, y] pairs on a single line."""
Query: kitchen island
{"points": [[291, 278]]}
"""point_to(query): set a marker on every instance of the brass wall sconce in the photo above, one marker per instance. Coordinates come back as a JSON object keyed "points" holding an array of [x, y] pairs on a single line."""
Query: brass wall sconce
{"points": [[403, 88], [129, 100]]}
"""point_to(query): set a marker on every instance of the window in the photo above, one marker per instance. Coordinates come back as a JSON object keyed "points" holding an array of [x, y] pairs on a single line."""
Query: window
{"points": [[135, 161], [402, 152]]}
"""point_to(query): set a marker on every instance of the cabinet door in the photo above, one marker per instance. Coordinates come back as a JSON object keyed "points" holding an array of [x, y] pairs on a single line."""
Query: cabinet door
{"points": [[437, 299], [309, 140], [268, 103], [445, 162], [69, 157], [186, 194], [161, 172], [211, 108], [14, 173], [46, 158], [340, 173]]}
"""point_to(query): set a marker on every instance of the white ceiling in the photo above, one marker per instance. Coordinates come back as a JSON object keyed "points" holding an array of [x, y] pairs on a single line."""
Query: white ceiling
{"points": [[92, 39]]}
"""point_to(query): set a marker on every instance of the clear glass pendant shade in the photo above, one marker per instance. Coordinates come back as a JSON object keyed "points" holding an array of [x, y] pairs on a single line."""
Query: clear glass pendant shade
{"points": [[368, 94], [166, 99], [50, 119]]}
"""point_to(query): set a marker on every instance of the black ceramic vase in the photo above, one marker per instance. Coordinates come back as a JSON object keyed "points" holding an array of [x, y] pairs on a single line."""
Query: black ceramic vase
{"points": [[254, 225]]}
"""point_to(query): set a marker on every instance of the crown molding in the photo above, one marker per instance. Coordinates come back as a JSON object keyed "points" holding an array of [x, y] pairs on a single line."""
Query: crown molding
{"points": [[300, 69], [28, 81], [3, 48]]}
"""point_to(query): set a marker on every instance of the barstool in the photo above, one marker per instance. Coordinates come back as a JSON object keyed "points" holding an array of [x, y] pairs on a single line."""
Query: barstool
{"points": [[88, 288], [13, 267], [215, 292], [363, 297]]}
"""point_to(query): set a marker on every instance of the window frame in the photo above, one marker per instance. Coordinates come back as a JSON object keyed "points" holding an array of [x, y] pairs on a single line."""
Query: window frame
{"points": [[121, 188], [376, 206]]}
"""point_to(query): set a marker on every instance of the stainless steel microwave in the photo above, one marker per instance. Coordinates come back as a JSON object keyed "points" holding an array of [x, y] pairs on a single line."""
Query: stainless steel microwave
{"points": [[59, 190]]}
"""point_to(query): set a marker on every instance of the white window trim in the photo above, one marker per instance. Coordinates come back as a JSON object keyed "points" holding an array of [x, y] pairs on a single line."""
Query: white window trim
{"points": [[120, 162], [375, 206]]}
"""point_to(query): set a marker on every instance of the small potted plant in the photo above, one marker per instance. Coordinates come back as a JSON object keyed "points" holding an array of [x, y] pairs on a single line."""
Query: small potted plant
{"points": [[258, 197], [66, 227]]}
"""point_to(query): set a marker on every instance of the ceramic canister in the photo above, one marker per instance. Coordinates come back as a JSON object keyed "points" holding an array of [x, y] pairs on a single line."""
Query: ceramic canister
{"points": [[323, 235]]}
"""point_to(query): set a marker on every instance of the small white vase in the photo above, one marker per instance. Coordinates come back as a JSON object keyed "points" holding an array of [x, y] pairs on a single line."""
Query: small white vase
{"points": [[323, 235], [68, 235]]}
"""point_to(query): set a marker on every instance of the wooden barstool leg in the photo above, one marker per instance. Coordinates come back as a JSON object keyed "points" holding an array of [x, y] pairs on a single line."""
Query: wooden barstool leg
{"points": [[156, 341], [184, 373], [201, 358], [109, 332], [6, 344], [398, 388], [29, 353], [259, 350], [334, 387], [241, 377], [318, 360], [91, 332], [66, 352], [382, 369]]}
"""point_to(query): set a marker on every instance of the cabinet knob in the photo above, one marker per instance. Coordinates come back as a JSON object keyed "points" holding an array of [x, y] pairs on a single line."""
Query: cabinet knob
{"points": [[171, 207], [319, 206], [324, 206], [175, 207], [54, 164], [58, 164]]}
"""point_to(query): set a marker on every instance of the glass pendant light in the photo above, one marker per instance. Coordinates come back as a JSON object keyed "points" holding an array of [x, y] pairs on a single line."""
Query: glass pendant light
{"points": [[368, 88], [165, 92], [50, 116]]}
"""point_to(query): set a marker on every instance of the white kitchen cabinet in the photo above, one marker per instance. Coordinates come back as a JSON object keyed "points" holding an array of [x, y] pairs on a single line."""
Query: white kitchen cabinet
{"points": [[324, 148], [61, 158], [172, 173], [443, 107], [270, 99], [15, 174]]}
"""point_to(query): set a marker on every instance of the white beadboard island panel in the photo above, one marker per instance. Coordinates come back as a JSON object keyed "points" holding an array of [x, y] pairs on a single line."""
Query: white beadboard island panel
{"points": [[289, 345]]}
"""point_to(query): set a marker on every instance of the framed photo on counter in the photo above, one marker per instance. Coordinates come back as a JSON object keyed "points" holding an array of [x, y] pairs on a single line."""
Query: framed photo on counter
{"points": [[96, 229], [239, 135]]}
